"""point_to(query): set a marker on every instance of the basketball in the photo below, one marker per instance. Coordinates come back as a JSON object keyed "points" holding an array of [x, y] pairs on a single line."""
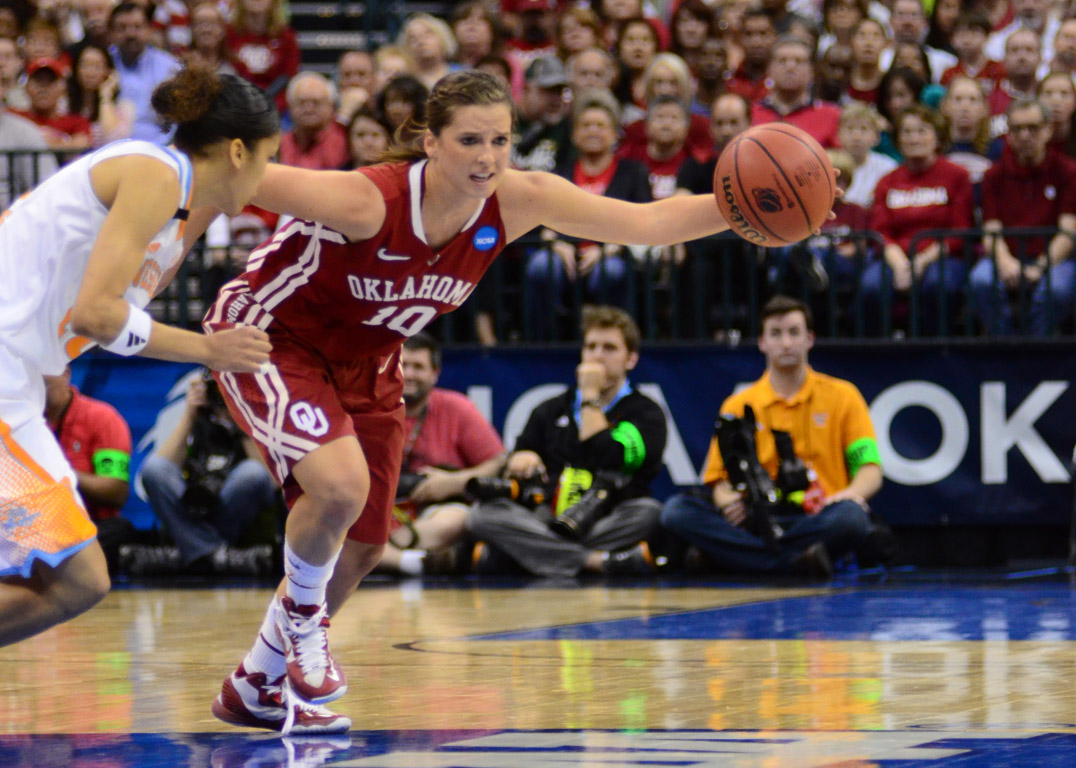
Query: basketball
{"points": [[774, 184]]}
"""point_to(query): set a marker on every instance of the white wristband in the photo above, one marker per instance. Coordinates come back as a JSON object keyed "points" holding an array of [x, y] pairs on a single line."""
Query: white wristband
{"points": [[135, 334]]}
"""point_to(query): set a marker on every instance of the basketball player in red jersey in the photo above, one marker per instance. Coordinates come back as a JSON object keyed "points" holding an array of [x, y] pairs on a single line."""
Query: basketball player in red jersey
{"points": [[395, 246]]}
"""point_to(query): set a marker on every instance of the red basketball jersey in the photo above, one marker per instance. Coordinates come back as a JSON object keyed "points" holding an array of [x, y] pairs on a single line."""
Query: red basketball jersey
{"points": [[350, 299]]}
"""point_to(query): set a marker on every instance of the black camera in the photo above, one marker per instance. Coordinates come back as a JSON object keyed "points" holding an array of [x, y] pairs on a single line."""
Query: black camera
{"points": [[206, 475], [792, 473], [529, 494], [407, 484], [739, 452], [214, 448], [214, 400], [598, 501]]}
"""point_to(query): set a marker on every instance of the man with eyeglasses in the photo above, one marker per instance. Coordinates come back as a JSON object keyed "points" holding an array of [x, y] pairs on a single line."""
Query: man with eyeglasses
{"points": [[1031, 185]]}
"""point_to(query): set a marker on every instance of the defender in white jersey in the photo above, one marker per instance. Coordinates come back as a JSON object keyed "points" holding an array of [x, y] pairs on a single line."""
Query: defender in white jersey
{"points": [[80, 257]]}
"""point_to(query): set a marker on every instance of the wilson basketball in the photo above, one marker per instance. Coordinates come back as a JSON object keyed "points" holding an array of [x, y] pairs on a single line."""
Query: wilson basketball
{"points": [[774, 184]]}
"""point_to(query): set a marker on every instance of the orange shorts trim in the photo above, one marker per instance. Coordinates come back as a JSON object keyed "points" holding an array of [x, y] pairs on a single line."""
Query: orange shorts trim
{"points": [[40, 517]]}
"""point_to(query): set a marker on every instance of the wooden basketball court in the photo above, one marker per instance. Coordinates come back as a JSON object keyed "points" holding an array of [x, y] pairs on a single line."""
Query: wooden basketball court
{"points": [[461, 674]]}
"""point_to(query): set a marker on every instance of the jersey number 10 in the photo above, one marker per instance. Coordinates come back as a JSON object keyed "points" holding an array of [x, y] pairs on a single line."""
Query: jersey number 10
{"points": [[406, 322]]}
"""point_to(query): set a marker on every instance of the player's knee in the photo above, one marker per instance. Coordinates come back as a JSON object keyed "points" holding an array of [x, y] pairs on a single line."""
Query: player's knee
{"points": [[340, 500], [78, 592]]}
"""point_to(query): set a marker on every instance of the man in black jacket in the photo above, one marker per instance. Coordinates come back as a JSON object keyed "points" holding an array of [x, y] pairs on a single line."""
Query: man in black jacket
{"points": [[593, 452]]}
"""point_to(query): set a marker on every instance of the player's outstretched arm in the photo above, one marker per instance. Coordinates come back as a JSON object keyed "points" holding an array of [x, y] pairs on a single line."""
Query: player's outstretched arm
{"points": [[529, 199], [141, 194], [342, 200]]}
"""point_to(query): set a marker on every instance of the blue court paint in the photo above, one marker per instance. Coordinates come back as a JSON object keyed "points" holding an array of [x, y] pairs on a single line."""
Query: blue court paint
{"points": [[552, 749], [1044, 612]]}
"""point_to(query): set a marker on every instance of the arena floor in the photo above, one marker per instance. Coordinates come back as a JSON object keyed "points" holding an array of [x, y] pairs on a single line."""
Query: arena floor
{"points": [[931, 670]]}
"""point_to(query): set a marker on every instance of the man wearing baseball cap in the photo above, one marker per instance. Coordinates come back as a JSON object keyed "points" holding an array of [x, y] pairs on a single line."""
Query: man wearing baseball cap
{"points": [[46, 85], [543, 130]]}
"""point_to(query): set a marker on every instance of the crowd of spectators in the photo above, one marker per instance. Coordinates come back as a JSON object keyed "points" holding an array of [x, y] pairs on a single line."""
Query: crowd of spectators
{"points": [[614, 93]]}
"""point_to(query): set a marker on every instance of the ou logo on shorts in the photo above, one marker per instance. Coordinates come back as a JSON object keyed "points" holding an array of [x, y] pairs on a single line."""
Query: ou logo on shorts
{"points": [[309, 419]]}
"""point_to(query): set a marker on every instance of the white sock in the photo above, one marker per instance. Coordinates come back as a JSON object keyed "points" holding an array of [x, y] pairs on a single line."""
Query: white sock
{"points": [[267, 655], [305, 582], [411, 561]]}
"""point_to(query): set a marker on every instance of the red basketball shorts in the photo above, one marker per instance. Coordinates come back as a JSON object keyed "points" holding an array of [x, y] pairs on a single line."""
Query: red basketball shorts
{"points": [[299, 402]]}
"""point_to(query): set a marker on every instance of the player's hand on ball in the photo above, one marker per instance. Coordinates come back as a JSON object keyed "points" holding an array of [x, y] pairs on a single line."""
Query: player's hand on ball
{"points": [[242, 349]]}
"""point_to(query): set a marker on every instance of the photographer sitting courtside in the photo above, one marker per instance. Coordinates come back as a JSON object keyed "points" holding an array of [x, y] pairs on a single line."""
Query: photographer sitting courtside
{"points": [[447, 444], [583, 466], [207, 484], [832, 439]]}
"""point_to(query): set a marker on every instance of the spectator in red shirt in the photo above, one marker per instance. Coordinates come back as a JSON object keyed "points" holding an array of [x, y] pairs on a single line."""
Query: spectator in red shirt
{"points": [[790, 100], [46, 84], [868, 42], [969, 35], [925, 192], [96, 441], [666, 75], [448, 443], [263, 47], [665, 150], [316, 141], [750, 79], [1031, 186], [1023, 55]]}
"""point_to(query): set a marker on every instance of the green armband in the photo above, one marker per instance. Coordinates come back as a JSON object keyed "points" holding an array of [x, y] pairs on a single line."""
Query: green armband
{"points": [[628, 435], [863, 451], [112, 463], [571, 485]]}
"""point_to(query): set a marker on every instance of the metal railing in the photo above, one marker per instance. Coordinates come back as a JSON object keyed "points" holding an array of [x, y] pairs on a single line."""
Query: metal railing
{"points": [[714, 293]]}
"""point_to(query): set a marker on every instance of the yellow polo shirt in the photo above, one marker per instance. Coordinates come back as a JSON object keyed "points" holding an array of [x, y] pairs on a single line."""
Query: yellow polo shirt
{"points": [[829, 422]]}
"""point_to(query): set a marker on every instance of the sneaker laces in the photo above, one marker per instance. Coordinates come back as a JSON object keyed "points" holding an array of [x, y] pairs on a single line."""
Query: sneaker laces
{"points": [[310, 640]]}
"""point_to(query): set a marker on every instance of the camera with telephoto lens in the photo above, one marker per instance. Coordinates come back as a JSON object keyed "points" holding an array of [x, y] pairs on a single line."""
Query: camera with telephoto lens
{"points": [[598, 501], [214, 449], [739, 452], [528, 493]]}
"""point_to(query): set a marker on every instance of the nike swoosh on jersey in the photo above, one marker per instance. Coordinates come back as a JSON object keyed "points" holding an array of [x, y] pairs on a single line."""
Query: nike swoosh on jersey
{"points": [[384, 255]]}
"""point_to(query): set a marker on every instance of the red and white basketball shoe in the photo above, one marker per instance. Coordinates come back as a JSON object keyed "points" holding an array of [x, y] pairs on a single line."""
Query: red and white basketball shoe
{"points": [[312, 672], [249, 699]]}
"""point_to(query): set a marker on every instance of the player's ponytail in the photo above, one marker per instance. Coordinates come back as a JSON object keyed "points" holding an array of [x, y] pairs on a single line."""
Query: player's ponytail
{"points": [[207, 107]]}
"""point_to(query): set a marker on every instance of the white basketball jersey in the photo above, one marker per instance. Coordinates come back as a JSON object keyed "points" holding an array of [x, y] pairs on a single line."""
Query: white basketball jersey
{"points": [[45, 243]]}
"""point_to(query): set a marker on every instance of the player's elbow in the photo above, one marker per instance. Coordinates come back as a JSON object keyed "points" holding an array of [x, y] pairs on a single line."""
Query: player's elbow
{"points": [[96, 319]]}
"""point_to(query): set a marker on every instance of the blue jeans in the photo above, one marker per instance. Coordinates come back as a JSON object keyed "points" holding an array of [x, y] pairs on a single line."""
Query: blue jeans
{"points": [[877, 276], [547, 283], [842, 527], [248, 490], [991, 301]]}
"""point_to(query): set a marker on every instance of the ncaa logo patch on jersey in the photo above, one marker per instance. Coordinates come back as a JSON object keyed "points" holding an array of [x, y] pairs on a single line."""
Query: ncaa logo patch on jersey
{"points": [[485, 238]]}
